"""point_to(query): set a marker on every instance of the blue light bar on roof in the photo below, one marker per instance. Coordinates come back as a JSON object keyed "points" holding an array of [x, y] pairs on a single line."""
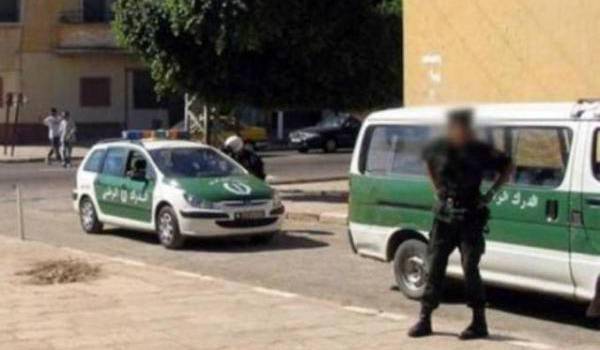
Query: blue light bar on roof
{"points": [[173, 134]]}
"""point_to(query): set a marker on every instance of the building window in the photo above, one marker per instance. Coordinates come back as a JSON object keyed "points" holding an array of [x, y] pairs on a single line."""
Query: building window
{"points": [[144, 96], [10, 11], [98, 11], [95, 92]]}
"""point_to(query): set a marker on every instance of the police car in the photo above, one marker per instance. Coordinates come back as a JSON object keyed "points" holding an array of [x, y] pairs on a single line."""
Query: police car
{"points": [[160, 182]]}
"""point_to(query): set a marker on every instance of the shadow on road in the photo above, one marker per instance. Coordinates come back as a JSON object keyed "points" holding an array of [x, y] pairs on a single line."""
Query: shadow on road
{"points": [[289, 240], [327, 197], [529, 304]]}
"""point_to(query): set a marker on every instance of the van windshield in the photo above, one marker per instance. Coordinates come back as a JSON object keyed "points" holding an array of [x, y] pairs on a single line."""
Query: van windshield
{"points": [[194, 162]]}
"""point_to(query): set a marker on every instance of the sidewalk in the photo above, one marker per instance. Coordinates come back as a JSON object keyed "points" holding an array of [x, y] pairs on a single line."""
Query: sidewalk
{"points": [[326, 202], [137, 306], [30, 154]]}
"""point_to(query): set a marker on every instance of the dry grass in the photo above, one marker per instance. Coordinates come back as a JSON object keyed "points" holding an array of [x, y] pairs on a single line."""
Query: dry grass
{"points": [[61, 272]]}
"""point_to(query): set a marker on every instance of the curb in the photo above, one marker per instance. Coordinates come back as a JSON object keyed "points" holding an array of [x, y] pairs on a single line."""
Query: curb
{"points": [[307, 181], [334, 218], [30, 160]]}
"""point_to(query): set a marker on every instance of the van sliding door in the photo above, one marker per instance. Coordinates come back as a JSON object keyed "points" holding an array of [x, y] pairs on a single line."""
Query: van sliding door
{"points": [[528, 244]]}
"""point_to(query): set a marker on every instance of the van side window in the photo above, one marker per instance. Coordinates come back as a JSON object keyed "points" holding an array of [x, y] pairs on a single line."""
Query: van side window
{"points": [[596, 155], [390, 150], [540, 155], [94, 162]]}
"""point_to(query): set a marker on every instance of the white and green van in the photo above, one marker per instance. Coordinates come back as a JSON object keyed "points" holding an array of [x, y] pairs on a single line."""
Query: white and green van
{"points": [[175, 188], [544, 232]]}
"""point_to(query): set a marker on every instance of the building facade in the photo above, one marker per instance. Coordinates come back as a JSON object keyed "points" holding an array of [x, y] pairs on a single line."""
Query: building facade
{"points": [[63, 54], [459, 51]]}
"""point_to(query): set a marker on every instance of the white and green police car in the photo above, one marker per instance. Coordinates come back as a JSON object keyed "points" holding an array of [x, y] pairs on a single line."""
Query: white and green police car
{"points": [[175, 188], [544, 232]]}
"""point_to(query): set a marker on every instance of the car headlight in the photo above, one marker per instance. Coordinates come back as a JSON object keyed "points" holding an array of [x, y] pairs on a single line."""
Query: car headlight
{"points": [[309, 135], [199, 203]]}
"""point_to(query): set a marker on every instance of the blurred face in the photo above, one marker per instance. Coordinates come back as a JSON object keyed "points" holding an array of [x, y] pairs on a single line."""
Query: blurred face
{"points": [[459, 134]]}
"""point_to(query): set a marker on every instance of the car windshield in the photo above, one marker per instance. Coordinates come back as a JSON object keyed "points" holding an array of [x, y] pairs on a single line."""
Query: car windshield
{"points": [[332, 121], [194, 162]]}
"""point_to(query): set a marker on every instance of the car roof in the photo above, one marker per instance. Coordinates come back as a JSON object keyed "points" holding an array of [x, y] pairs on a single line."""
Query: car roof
{"points": [[508, 111], [153, 144]]}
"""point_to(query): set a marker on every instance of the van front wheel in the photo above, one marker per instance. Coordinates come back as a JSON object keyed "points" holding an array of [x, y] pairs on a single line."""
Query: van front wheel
{"points": [[410, 268]]}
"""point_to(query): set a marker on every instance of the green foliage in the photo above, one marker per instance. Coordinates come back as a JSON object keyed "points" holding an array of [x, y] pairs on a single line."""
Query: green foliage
{"points": [[270, 53]]}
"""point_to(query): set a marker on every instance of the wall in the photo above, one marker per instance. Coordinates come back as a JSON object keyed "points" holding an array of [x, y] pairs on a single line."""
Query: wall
{"points": [[501, 51]]}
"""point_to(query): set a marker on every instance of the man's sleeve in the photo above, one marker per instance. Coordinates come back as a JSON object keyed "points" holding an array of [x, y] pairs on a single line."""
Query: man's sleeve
{"points": [[497, 160], [429, 151]]}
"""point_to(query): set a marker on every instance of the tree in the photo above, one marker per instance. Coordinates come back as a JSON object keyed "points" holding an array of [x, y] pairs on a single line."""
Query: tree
{"points": [[269, 53]]}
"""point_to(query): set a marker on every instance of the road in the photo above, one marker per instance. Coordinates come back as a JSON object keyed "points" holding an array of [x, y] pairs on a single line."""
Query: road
{"points": [[308, 258], [282, 166]]}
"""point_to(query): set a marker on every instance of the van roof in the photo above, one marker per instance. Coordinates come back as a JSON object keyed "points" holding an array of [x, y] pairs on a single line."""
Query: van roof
{"points": [[508, 111]]}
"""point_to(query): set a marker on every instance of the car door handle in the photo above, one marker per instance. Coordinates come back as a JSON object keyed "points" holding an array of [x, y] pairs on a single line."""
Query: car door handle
{"points": [[551, 210]]}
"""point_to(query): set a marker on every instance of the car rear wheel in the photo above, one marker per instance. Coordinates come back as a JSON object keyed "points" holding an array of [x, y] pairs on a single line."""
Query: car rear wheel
{"points": [[167, 228], [410, 268], [330, 146], [89, 217]]}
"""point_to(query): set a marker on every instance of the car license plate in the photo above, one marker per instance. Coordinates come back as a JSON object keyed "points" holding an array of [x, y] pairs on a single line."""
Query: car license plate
{"points": [[294, 140], [250, 215]]}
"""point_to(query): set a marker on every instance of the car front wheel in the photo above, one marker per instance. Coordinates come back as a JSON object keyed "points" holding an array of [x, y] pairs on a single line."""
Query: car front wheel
{"points": [[410, 268], [167, 228], [89, 217], [330, 146]]}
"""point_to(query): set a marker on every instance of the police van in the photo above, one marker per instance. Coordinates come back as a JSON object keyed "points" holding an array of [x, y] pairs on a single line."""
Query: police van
{"points": [[159, 182], [544, 231]]}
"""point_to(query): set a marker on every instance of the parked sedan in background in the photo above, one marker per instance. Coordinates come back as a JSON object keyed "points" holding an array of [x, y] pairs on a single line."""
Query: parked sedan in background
{"points": [[339, 131]]}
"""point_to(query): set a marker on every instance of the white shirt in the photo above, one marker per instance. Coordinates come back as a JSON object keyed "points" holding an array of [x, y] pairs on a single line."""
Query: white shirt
{"points": [[53, 124]]}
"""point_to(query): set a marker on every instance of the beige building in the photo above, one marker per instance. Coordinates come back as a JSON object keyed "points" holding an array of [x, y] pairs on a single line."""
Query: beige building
{"points": [[501, 51], [63, 54]]}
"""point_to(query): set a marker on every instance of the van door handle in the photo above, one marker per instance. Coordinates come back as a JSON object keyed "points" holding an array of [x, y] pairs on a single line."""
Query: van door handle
{"points": [[551, 210], [593, 202]]}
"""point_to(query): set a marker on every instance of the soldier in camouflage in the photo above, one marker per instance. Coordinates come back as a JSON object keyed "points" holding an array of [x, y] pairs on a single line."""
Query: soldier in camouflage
{"points": [[457, 165]]}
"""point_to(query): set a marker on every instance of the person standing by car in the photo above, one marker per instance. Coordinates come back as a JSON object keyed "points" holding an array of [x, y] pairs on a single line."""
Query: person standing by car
{"points": [[52, 121], [67, 131], [456, 165], [234, 147]]}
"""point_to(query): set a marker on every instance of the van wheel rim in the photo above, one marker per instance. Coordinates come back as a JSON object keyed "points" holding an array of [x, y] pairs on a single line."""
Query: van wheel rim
{"points": [[166, 228], [414, 272], [88, 216]]}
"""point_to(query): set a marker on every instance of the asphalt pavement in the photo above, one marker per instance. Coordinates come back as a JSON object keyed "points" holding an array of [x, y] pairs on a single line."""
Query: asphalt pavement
{"points": [[282, 166], [310, 259]]}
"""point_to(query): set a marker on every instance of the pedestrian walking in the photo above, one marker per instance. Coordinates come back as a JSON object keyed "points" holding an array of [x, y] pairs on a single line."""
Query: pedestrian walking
{"points": [[457, 164], [67, 132], [52, 121]]}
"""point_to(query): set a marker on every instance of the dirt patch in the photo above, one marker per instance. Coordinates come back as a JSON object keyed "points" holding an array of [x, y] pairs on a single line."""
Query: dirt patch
{"points": [[61, 272]]}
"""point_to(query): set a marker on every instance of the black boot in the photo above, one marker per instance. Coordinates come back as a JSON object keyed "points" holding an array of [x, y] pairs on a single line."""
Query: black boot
{"points": [[423, 326], [478, 327]]}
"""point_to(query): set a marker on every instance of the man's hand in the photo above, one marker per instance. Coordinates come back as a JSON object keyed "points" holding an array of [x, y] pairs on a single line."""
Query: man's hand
{"points": [[487, 198]]}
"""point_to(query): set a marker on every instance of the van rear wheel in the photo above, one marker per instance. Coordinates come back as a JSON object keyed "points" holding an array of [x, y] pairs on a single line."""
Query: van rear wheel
{"points": [[410, 268]]}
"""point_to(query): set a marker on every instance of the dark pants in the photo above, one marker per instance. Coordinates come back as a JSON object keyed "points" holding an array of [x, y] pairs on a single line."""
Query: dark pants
{"points": [[467, 236], [54, 149], [67, 149]]}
